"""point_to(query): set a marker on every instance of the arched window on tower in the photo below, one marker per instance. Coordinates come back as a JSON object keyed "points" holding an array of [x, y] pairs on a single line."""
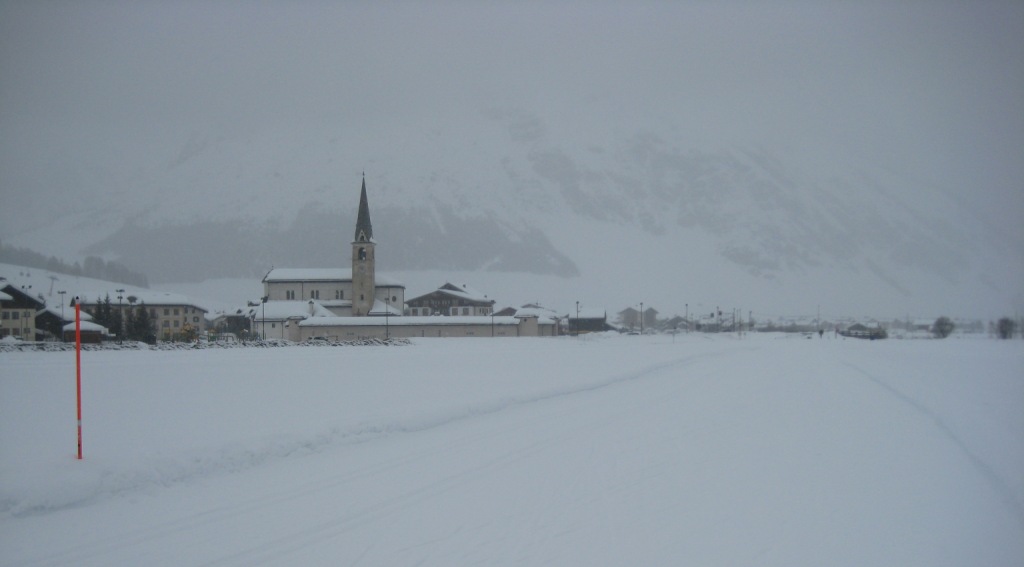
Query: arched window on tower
{"points": [[362, 253]]}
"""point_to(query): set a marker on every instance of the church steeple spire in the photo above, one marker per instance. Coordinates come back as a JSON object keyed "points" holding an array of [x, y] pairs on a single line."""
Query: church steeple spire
{"points": [[364, 230], [364, 286]]}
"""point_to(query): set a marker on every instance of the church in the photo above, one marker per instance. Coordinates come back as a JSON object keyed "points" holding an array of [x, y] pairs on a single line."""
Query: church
{"points": [[348, 304], [355, 292]]}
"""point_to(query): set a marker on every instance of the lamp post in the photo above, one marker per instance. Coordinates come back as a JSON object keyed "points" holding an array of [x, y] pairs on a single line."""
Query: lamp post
{"points": [[387, 314], [577, 325], [120, 314], [687, 317], [641, 318], [263, 300], [131, 307], [61, 294]]}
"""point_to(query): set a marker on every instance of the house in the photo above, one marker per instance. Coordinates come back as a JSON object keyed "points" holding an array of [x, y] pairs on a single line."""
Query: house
{"points": [[89, 332], [452, 300], [859, 331], [280, 319], [588, 321], [50, 321], [631, 318], [18, 313], [548, 322]]}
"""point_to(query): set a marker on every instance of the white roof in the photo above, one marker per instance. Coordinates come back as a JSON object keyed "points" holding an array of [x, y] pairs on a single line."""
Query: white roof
{"points": [[322, 275], [69, 313], [406, 321], [462, 291], [86, 326], [379, 307], [5, 297], [308, 275], [281, 310]]}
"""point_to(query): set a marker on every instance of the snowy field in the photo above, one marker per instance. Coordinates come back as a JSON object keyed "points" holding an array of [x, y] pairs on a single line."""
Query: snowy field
{"points": [[765, 450]]}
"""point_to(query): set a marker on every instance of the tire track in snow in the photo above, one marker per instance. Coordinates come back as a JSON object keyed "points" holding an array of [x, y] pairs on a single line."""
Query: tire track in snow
{"points": [[1006, 494]]}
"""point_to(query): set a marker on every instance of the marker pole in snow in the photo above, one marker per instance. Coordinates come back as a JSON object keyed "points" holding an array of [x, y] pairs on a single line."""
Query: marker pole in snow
{"points": [[78, 369]]}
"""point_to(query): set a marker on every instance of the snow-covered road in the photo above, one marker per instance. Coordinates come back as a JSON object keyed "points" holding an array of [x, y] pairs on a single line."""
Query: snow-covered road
{"points": [[605, 451]]}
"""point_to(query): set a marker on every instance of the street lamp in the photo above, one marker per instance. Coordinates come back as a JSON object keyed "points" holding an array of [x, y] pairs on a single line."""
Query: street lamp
{"points": [[264, 324], [131, 307], [641, 318], [61, 294], [387, 314], [577, 325], [120, 312]]}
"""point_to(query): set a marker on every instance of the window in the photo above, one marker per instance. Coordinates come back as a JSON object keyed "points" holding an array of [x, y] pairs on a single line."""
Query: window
{"points": [[338, 294], [314, 294], [15, 315], [290, 294], [175, 311], [176, 324], [195, 319], [362, 253], [166, 324], [465, 310], [167, 311], [6, 315]]}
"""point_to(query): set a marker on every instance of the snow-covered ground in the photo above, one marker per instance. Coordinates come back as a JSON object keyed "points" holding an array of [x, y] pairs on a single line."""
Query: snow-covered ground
{"points": [[765, 450]]}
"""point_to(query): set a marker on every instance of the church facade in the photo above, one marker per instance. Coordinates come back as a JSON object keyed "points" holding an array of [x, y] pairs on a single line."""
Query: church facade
{"points": [[355, 292]]}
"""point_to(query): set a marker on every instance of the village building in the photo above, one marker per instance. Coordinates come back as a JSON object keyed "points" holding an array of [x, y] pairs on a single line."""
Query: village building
{"points": [[172, 315], [588, 321], [451, 300], [87, 331], [347, 304], [18, 313]]}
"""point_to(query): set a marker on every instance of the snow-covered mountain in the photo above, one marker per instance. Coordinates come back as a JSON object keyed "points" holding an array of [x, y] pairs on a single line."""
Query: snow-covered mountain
{"points": [[608, 215]]}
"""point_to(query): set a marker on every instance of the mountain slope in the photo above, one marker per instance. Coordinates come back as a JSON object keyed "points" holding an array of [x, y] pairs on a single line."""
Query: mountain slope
{"points": [[621, 214]]}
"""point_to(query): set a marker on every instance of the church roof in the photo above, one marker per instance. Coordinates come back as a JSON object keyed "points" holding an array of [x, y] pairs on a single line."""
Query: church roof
{"points": [[278, 275], [364, 229]]}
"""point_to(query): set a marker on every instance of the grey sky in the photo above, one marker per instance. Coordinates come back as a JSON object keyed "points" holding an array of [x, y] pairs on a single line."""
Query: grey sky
{"points": [[936, 88]]}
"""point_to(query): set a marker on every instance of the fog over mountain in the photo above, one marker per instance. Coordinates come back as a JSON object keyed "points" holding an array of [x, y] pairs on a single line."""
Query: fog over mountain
{"points": [[775, 157]]}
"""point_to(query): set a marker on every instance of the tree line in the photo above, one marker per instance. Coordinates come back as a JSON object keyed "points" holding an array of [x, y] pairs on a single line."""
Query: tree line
{"points": [[137, 323], [93, 266]]}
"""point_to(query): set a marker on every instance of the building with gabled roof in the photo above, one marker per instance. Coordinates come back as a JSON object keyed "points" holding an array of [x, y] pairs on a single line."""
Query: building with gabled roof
{"points": [[18, 313], [347, 292], [452, 300], [346, 304]]}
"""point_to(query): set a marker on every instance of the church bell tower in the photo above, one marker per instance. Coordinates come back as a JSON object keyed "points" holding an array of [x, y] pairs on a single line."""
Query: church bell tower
{"points": [[363, 278]]}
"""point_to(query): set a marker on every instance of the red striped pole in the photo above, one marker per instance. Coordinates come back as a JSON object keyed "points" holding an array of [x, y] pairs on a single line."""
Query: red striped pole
{"points": [[78, 370]]}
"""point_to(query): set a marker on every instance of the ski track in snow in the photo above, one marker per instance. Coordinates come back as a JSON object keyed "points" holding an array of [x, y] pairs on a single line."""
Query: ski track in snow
{"points": [[206, 467], [343, 489], [185, 468], [1005, 493]]}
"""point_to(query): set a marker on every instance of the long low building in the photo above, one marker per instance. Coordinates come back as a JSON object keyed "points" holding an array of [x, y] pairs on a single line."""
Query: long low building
{"points": [[350, 328]]}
